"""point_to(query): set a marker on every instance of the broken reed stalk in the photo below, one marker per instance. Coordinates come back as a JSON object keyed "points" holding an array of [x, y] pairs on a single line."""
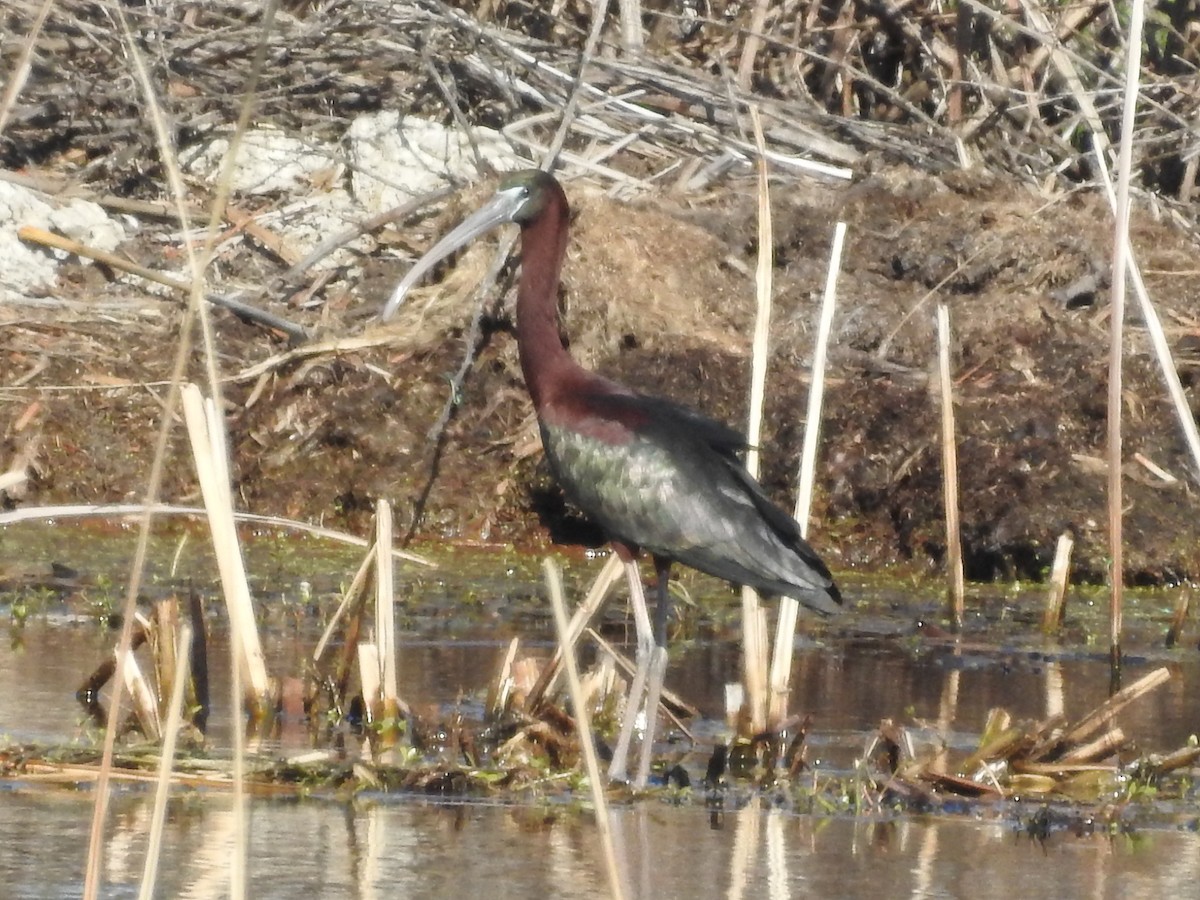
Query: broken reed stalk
{"points": [[249, 684], [1179, 618], [754, 635], [1116, 324], [385, 622], [588, 610], [954, 558], [89, 691], [206, 430], [357, 584], [351, 608], [670, 700], [1056, 594], [1102, 715], [501, 687], [174, 721], [789, 608], [166, 631], [145, 706], [584, 726], [368, 678], [816, 394], [752, 44], [20, 72], [34, 235]]}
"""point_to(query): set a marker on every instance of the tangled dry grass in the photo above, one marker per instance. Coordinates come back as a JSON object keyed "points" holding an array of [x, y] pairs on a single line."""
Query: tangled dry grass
{"points": [[929, 84]]}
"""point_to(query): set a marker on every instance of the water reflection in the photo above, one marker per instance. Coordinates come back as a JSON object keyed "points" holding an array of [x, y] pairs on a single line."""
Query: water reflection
{"points": [[377, 848], [847, 684]]}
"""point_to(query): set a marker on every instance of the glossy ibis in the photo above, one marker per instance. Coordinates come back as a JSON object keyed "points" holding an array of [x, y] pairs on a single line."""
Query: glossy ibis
{"points": [[655, 475]]}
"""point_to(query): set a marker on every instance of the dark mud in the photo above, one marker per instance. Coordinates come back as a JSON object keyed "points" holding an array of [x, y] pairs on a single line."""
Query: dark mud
{"points": [[659, 293]]}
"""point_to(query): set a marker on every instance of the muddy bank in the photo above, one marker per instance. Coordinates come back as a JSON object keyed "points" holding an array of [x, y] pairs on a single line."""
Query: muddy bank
{"points": [[659, 292]]}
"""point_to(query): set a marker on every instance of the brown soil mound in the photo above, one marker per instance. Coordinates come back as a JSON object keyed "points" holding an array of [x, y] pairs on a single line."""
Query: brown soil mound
{"points": [[660, 294]]}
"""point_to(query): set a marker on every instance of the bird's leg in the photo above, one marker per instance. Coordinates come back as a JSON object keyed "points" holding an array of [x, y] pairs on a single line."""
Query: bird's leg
{"points": [[641, 612], [618, 769], [658, 668], [662, 609]]}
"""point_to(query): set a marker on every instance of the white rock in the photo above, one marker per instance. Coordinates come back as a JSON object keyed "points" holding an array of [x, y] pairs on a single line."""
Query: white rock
{"points": [[89, 224], [310, 221], [268, 162], [26, 268], [397, 159]]}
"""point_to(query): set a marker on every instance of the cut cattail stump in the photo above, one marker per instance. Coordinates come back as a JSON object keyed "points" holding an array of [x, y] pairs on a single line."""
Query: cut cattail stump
{"points": [[145, 704], [173, 714], [88, 694], [954, 559], [393, 708], [501, 688], [588, 610], [335, 675], [1057, 592], [206, 430], [1183, 604]]}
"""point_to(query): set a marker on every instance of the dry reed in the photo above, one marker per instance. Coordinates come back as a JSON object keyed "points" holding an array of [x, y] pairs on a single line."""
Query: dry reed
{"points": [[1060, 573], [584, 726], [785, 629], [174, 715], [755, 649], [1116, 323], [954, 557]]}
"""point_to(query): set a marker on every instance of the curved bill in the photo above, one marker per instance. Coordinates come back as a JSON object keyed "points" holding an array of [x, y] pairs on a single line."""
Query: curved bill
{"points": [[500, 210]]}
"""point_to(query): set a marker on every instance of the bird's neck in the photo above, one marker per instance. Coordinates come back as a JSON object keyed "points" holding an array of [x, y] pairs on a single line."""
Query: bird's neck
{"points": [[545, 362]]}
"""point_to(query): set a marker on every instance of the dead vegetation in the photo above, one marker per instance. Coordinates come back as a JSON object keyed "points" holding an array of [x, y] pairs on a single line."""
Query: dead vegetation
{"points": [[904, 96], [1086, 768]]}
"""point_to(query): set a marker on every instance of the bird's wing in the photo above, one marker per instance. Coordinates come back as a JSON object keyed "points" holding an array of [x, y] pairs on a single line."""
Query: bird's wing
{"points": [[661, 476], [657, 415], [644, 410]]}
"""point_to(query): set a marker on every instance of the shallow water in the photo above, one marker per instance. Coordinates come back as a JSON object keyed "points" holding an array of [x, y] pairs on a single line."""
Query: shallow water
{"points": [[380, 847], [849, 675]]}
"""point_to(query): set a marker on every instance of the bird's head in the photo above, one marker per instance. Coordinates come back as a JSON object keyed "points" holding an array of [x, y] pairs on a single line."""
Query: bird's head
{"points": [[520, 199]]}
